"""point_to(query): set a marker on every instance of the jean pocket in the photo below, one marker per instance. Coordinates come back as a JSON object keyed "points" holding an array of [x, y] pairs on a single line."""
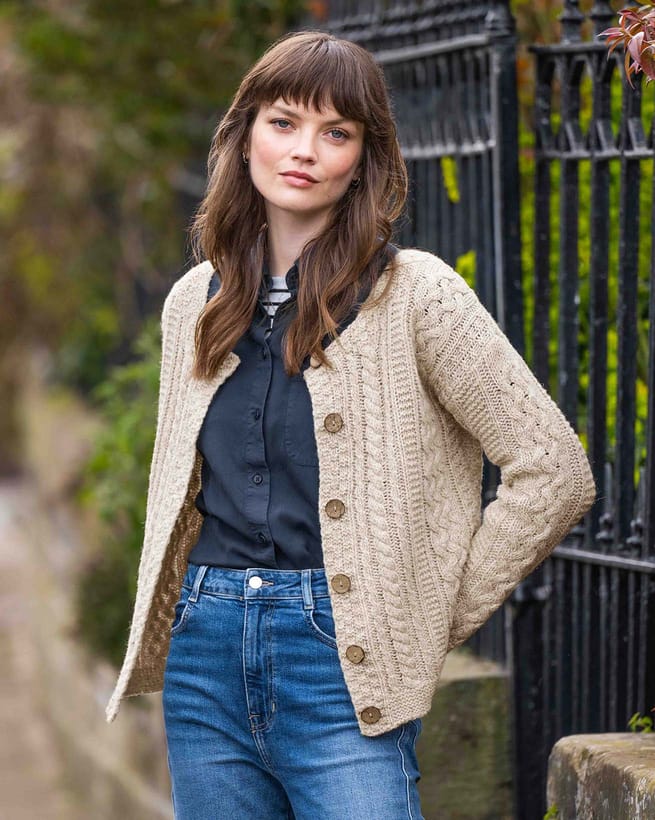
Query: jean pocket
{"points": [[182, 611], [321, 622]]}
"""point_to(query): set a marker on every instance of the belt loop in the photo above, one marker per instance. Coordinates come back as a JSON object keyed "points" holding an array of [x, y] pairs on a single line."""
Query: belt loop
{"points": [[202, 569], [306, 583]]}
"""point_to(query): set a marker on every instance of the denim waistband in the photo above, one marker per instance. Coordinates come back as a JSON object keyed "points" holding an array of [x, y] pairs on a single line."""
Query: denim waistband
{"points": [[257, 582]]}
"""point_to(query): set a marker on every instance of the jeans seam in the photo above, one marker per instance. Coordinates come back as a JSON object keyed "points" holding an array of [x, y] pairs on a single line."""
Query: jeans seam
{"points": [[402, 759]]}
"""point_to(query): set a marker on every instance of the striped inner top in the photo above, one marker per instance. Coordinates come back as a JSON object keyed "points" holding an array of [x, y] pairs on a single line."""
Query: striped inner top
{"points": [[274, 297]]}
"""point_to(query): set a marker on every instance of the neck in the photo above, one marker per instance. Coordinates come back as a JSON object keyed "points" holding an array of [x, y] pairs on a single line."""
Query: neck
{"points": [[286, 237]]}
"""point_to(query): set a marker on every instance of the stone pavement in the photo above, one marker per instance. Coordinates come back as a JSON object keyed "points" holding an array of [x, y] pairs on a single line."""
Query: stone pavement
{"points": [[31, 778]]}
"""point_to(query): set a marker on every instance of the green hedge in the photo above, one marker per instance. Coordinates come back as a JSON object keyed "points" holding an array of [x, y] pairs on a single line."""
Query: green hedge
{"points": [[115, 485]]}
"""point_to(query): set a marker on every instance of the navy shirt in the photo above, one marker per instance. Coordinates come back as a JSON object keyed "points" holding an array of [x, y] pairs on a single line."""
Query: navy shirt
{"points": [[259, 491]]}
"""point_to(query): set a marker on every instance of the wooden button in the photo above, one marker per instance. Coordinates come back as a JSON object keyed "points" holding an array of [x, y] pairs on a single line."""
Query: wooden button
{"points": [[340, 582], [314, 362], [333, 422], [335, 508], [355, 653], [371, 714]]}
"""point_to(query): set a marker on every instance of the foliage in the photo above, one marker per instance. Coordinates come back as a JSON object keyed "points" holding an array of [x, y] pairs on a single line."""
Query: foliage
{"points": [[115, 486], [636, 33], [465, 266], [641, 723], [449, 171]]}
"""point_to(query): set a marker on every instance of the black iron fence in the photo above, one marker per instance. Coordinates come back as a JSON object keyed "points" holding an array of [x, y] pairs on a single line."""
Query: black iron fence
{"points": [[585, 619], [578, 635]]}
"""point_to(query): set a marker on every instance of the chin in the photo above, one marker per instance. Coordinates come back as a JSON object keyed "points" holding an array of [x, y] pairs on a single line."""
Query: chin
{"points": [[299, 205]]}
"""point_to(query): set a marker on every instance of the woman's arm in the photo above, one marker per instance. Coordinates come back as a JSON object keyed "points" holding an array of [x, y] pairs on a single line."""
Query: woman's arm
{"points": [[470, 367]]}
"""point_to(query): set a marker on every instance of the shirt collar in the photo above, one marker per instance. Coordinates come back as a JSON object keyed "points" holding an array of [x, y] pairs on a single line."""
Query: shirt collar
{"points": [[291, 277]]}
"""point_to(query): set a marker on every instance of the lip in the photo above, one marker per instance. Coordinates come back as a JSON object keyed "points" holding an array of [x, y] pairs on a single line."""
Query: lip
{"points": [[299, 175]]}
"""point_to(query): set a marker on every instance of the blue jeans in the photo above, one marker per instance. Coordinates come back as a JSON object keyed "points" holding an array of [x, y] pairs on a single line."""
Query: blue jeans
{"points": [[259, 722]]}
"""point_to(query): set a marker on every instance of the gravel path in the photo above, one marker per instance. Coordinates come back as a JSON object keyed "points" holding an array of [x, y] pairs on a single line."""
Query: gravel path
{"points": [[31, 781]]}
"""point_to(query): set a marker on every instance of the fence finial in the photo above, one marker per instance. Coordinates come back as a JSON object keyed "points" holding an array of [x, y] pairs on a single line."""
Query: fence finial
{"points": [[571, 19], [602, 15], [499, 19]]}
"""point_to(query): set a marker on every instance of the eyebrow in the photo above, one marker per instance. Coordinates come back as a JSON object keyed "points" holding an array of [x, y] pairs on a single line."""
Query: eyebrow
{"points": [[290, 113]]}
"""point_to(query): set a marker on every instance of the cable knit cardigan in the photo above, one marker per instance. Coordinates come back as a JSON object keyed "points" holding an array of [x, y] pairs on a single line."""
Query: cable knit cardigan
{"points": [[424, 382]]}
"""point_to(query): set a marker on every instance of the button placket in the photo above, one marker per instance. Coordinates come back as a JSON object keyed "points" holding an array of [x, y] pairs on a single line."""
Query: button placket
{"points": [[335, 508], [341, 583]]}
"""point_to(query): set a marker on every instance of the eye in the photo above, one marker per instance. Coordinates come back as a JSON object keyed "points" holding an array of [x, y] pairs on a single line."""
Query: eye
{"points": [[341, 134], [279, 124]]}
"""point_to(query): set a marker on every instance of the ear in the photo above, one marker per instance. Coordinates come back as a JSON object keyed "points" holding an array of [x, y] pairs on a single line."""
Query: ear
{"points": [[245, 147], [360, 165]]}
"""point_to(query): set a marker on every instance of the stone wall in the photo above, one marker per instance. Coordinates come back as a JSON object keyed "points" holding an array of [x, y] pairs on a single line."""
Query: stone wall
{"points": [[603, 777]]}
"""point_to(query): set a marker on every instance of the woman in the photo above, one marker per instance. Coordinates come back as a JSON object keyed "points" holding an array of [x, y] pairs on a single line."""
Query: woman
{"points": [[314, 541]]}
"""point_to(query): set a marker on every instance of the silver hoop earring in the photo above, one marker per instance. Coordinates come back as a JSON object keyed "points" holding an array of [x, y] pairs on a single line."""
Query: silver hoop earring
{"points": [[355, 183], [244, 158]]}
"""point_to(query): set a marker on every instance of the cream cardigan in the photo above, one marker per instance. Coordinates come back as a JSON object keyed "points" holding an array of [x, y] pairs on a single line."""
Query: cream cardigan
{"points": [[423, 383]]}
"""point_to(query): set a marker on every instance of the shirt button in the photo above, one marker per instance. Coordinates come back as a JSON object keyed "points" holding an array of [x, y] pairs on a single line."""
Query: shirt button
{"points": [[335, 508], [340, 582], [257, 412], [255, 581], [262, 537], [314, 361], [355, 654], [258, 478], [333, 422], [371, 714]]}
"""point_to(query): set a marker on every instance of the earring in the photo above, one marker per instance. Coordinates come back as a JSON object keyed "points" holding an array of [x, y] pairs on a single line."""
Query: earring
{"points": [[244, 158], [355, 183]]}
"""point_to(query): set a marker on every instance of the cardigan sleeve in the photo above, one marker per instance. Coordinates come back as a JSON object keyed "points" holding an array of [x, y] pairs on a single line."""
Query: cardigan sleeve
{"points": [[469, 366]]}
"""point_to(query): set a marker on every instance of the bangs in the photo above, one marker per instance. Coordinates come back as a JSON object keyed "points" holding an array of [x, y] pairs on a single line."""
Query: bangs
{"points": [[316, 75]]}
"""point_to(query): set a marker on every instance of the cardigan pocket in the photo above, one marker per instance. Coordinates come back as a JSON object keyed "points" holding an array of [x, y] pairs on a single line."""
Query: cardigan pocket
{"points": [[299, 438]]}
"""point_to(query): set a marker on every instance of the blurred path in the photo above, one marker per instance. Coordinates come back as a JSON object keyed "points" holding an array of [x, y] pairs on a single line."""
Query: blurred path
{"points": [[31, 780]]}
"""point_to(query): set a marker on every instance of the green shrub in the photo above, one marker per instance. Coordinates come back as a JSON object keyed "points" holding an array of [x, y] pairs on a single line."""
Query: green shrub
{"points": [[115, 485]]}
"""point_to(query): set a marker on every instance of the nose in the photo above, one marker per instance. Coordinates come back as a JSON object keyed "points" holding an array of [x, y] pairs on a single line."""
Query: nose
{"points": [[304, 147]]}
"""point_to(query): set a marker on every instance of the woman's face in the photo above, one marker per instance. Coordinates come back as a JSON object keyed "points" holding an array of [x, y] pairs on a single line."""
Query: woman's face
{"points": [[287, 139]]}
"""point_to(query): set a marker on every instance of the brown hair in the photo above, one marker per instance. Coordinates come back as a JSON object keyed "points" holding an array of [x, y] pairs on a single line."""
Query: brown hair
{"points": [[314, 69]]}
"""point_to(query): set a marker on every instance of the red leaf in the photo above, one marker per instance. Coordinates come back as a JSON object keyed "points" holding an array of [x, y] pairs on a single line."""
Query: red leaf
{"points": [[611, 32], [635, 45], [648, 62]]}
